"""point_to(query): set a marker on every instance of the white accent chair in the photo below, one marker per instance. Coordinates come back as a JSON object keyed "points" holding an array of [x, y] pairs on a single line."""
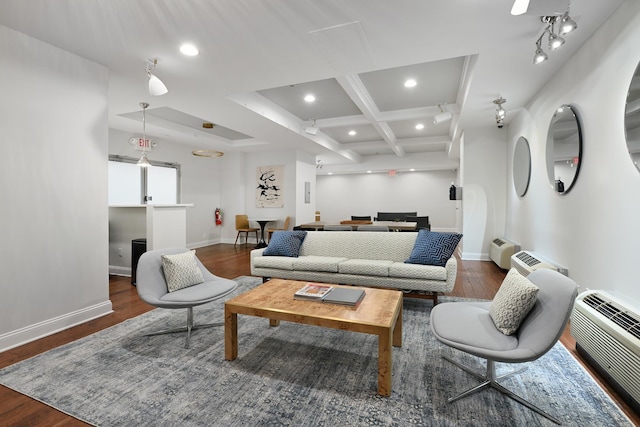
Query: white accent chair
{"points": [[467, 326]]}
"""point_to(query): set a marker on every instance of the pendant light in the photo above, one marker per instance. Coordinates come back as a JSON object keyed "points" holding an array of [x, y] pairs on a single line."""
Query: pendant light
{"points": [[144, 160]]}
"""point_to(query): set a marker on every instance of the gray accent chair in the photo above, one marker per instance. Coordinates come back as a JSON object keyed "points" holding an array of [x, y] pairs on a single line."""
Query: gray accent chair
{"points": [[468, 327], [152, 288]]}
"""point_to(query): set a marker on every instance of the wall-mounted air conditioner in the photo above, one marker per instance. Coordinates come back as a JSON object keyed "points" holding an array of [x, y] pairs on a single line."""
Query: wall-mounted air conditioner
{"points": [[607, 333], [526, 262], [501, 250]]}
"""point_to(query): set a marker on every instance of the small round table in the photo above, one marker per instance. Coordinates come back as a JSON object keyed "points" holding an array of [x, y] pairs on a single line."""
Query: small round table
{"points": [[263, 223]]}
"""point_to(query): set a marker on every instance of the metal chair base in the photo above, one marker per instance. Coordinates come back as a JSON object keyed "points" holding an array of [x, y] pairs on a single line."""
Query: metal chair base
{"points": [[190, 327], [491, 381]]}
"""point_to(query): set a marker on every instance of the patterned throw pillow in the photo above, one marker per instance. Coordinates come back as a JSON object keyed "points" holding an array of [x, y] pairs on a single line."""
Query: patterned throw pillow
{"points": [[181, 270], [433, 248], [285, 243], [514, 300]]}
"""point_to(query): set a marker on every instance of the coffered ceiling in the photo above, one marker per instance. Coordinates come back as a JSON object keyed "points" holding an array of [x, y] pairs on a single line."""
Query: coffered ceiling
{"points": [[258, 59]]}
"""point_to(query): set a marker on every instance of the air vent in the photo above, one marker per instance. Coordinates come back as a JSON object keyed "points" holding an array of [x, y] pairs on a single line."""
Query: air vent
{"points": [[501, 250], [526, 262], [607, 330], [630, 322], [527, 259]]}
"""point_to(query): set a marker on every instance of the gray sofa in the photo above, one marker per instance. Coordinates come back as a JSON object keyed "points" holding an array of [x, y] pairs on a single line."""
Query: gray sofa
{"points": [[359, 258]]}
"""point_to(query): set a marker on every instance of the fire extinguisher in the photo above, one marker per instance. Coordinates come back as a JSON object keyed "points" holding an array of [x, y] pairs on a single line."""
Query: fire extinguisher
{"points": [[218, 216]]}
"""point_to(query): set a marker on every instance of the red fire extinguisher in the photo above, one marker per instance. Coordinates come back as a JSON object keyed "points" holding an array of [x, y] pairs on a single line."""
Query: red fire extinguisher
{"points": [[218, 216]]}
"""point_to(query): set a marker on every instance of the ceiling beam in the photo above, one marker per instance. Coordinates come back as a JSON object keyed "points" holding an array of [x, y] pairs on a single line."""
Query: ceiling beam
{"points": [[355, 89]]}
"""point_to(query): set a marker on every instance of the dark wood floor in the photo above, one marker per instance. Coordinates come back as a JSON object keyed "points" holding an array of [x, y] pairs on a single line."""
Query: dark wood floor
{"points": [[476, 279]]}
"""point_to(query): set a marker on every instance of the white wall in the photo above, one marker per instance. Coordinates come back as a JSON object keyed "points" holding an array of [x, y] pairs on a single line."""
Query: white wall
{"points": [[593, 230], [201, 181], [483, 182], [53, 185], [293, 166], [340, 196]]}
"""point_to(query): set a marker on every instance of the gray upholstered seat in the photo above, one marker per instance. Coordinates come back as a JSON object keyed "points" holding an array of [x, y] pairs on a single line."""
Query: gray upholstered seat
{"points": [[152, 288], [468, 327], [367, 227], [336, 227]]}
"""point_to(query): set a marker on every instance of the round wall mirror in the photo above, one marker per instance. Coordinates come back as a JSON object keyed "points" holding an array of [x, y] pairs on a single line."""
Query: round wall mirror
{"points": [[564, 149], [521, 166], [632, 118]]}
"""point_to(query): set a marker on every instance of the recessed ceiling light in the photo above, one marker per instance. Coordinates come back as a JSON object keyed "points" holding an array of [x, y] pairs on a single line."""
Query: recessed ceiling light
{"points": [[309, 98], [330, 173], [412, 170], [368, 171], [353, 133], [410, 83], [419, 126], [189, 49]]}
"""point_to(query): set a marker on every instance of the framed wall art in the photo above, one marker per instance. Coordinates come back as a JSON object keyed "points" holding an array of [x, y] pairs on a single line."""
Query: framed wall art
{"points": [[270, 186]]}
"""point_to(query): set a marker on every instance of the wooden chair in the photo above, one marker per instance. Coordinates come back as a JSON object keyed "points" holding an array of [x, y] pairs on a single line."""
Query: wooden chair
{"points": [[285, 226], [242, 226]]}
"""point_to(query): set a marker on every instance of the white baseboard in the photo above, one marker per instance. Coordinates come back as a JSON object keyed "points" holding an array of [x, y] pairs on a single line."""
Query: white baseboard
{"points": [[475, 256], [51, 326], [203, 243], [117, 270]]}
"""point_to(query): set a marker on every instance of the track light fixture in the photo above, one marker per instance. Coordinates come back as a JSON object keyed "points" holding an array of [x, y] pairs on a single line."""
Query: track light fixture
{"points": [[501, 113], [144, 160], [443, 116], [564, 23], [156, 87]]}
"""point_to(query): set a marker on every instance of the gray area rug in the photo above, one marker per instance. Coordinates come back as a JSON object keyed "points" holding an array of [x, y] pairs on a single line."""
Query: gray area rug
{"points": [[293, 375]]}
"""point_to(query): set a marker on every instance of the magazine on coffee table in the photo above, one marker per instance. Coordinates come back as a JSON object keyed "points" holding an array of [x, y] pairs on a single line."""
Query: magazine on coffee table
{"points": [[344, 296], [313, 292]]}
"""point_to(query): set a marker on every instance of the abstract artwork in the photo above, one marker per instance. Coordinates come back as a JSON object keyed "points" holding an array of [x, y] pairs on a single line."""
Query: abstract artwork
{"points": [[269, 189]]}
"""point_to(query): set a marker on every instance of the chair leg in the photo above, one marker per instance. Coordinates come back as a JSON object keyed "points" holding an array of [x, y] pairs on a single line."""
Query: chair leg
{"points": [[237, 235], [188, 328], [490, 381]]}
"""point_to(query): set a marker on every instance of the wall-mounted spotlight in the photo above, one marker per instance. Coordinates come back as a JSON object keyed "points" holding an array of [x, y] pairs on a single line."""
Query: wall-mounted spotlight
{"points": [[156, 87], [501, 113]]}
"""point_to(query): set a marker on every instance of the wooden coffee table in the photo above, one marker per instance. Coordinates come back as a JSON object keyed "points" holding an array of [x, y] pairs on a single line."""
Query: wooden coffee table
{"points": [[379, 313]]}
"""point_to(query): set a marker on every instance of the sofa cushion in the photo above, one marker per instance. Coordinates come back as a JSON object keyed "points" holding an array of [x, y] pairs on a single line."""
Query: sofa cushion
{"points": [[278, 262], [365, 267], [417, 271], [317, 263], [285, 243], [433, 248], [513, 301]]}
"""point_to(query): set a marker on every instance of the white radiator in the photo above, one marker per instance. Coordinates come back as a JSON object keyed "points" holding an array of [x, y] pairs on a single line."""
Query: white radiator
{"points": [[501, 250], [608, 330], [526, 262]]}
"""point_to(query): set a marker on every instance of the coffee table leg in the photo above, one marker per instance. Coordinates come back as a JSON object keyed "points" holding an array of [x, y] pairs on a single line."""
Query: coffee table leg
{"points": [[397, 331], [230, 334], [385, 367]]}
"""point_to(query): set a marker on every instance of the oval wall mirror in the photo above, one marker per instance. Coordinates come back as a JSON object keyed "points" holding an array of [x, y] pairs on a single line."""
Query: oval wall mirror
{"points": [[632, 119], [521, 166], [564, 149]]}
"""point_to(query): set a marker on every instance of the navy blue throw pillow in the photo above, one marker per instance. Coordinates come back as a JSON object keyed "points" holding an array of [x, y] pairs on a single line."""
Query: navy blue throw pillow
{"points": [[285, 243], [433, 248]]}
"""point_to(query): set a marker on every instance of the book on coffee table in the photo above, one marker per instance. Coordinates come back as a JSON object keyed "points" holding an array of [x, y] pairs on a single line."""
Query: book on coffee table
{"points": [[313, 292], [344, 296]]}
